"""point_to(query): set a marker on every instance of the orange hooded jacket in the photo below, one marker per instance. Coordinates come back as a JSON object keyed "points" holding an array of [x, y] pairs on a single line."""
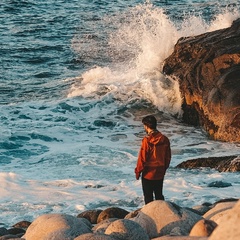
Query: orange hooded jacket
{"points": [[154, 156]]}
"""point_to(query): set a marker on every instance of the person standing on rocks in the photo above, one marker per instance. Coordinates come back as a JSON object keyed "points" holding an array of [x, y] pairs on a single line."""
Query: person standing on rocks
{"points": [[153, 160]]}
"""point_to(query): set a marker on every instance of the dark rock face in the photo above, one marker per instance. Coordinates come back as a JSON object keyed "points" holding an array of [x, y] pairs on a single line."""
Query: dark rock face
{"points": [[208, 69], [112, 212], [90, 215], [222, 164]]}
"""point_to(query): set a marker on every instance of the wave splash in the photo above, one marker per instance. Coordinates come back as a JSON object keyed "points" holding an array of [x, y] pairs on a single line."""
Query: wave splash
{"points": [[139, 41]]}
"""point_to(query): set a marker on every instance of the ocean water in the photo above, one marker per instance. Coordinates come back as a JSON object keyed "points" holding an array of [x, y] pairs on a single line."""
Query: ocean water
{"points": [[76, 79]]}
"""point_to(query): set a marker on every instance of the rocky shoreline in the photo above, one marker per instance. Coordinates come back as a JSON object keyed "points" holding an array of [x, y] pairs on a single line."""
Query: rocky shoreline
{"points": [[158, 220]]}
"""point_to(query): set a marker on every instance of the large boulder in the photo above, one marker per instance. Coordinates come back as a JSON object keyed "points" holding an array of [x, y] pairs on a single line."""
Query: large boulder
{"points": [[160, 218], [228, 227], [57, 227], [208, 70], [219, 211], [126, 229]]}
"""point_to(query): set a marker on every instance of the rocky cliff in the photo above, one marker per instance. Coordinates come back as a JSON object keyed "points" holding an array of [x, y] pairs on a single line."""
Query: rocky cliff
{"points": [[208, 69]]}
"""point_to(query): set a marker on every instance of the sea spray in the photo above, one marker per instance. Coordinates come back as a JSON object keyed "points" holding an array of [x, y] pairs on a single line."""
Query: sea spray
{"points": [[140, 44], [139, 41]]}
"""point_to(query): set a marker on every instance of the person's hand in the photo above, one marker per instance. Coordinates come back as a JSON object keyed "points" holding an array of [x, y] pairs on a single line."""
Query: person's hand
{"points": [[137, 175]]}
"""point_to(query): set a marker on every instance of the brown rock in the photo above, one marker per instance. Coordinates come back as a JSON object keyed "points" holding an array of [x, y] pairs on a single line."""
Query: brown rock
{"points": [[22, 224], [16, 231], [90, 215], [222, 164], [208, 70], [112, 212], [203, 228]]}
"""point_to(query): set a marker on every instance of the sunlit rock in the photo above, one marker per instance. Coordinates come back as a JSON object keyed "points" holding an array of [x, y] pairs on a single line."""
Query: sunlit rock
{"points": [[126, 229], [228, 227], [203, 228], [160, 218], [57, 227], [208, 70], [222, 164]]}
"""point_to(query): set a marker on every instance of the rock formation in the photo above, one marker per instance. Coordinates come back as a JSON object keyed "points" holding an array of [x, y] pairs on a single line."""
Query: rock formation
{"points": [[208, 70], [158, 220], [222, 164]]}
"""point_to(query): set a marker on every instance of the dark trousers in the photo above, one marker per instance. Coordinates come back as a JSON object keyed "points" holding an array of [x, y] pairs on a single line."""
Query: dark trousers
{"points": [[151, 187]]}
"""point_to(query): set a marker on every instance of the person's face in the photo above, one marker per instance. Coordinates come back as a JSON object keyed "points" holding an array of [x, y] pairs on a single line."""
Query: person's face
{"points": [[146, 128]]}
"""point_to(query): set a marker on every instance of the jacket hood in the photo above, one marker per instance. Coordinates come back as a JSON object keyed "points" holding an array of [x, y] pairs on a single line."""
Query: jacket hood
{"points": [[155, 138]]}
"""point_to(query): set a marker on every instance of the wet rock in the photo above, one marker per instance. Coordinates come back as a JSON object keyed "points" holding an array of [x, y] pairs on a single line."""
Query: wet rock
{"points": [[208, 71], [219, 184], [16, 231], [112, 212], [222, 164], [3, 231], [90, 215], [11, 237], [57, 227]]}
